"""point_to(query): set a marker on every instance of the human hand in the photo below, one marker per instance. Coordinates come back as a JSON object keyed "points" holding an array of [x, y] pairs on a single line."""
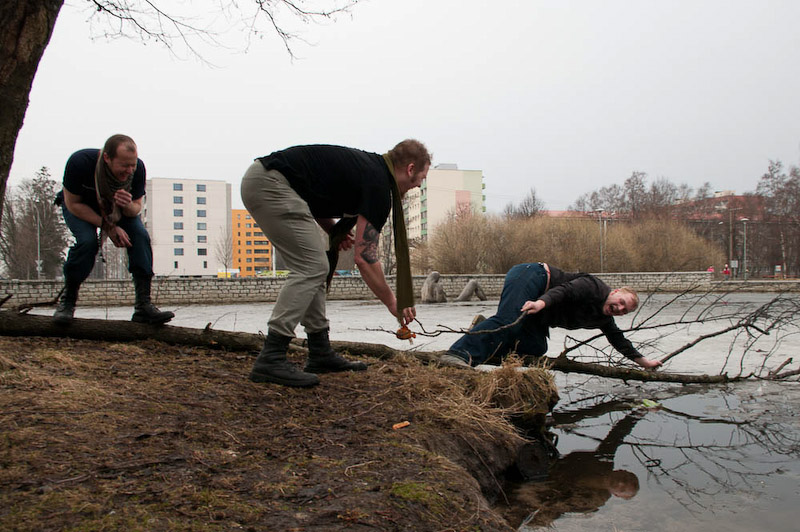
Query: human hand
{"points": [[119, 237], [406, 316], [646, 363], [409, 314], [347, 242], [532, 307], [122, 198]]}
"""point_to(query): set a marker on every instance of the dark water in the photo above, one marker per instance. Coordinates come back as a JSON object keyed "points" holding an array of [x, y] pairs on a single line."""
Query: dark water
{"points": [[705, 458]]}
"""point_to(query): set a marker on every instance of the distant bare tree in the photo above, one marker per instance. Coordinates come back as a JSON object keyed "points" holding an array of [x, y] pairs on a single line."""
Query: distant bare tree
{"points": [[33, 230], [223, 249], [386, 253], [779, 236], [460, 243], [420, 256], [529, 207]]}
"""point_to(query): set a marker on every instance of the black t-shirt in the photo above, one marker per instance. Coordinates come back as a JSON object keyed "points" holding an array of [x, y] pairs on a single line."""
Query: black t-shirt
{"points": [[79, 178], [336, 181], [575, 301]]}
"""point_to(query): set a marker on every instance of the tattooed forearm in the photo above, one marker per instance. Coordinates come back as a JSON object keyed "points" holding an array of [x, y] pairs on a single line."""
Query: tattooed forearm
{"points": [[369, 247]]}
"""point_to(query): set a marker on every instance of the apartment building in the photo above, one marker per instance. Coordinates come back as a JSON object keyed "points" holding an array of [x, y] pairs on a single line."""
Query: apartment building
{"points": [[189, 223], [447, 189], [252, 251]]}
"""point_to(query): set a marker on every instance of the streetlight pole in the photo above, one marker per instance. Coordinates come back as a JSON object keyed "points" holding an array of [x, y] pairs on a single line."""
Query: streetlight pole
{"points": [[38, 241], [744, 253], [730, 236], [600, 224]]}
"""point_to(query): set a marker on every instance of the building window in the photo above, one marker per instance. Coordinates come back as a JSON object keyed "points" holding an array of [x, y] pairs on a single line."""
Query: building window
{"points": [[247, 216], [205, 264], [178, 252], [249, 260], [176, 265], [201, 200], [177, 225], [248, 233], [248, 243], [202, 239], [201, 188], [201, 213], [177, 186], [248, 225], [202, 251], [177, 199], [177, 238], [177, 212], [201, 226]]}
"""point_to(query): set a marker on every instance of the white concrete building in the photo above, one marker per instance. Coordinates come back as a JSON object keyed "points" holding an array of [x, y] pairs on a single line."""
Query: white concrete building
{"points": [[189, 221], [447, 189]]}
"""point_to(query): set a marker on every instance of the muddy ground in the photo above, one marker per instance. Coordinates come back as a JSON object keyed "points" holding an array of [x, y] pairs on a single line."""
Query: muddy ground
{"points": [[146, 436]]}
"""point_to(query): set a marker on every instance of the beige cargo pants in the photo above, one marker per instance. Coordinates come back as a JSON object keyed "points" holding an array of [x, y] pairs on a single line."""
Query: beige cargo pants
{"points": [[286, 220]]}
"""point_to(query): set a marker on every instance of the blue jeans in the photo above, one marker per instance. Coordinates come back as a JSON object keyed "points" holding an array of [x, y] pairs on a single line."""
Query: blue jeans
{"points": [[523, 282], [82, 254]]}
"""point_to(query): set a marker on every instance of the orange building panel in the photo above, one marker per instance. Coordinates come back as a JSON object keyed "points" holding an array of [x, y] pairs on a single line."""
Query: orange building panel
{"points": [[252, 251]]}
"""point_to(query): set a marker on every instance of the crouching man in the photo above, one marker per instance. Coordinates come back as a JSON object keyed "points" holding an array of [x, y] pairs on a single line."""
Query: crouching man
{"points": [[103, 189]]}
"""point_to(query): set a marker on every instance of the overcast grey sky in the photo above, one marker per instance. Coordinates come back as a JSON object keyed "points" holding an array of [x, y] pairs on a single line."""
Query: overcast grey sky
{"points": [[562, 96]]}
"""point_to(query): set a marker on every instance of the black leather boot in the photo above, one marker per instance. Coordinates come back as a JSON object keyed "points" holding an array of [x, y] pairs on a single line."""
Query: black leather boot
{"points": [[65, 310], [272, 365], [144, 311], [323, 359]]}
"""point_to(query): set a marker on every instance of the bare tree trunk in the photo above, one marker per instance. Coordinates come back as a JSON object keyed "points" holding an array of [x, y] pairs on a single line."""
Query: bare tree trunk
{"points": [[26, 29]]}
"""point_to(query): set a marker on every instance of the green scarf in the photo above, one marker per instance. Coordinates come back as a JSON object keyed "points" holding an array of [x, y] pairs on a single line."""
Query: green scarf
{"points": [[405, 286], [106, 185]]}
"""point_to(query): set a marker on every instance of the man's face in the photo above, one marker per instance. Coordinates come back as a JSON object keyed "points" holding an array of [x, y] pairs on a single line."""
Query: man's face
{"points": [[618, 303], [123, 165], [411, 178]]}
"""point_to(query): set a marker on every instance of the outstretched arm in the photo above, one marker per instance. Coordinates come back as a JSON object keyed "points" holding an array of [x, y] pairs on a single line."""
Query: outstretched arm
{"points": [[366, 257], [624, 346]]}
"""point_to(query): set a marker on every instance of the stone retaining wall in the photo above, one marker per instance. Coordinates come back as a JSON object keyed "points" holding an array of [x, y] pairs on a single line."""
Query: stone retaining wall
{"points": [[171, 291]]}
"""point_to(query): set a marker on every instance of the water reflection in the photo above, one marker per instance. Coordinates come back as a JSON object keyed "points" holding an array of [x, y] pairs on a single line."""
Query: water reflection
{"points": [[701, 459], [580, 481]]}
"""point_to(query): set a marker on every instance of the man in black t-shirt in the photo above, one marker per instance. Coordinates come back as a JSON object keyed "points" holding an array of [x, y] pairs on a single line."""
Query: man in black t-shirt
{"points": [[290, 194], [104, 189]]}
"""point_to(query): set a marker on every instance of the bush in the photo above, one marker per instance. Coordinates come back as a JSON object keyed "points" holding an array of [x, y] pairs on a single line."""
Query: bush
{"points": [[475, 243]]}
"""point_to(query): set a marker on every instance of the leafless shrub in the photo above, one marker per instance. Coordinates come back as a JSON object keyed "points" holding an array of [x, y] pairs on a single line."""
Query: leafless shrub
{"points": [[475, 243]]}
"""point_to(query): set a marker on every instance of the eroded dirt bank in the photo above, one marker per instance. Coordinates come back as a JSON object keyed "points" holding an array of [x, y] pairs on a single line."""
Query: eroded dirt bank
{"points": [[148, 436]]}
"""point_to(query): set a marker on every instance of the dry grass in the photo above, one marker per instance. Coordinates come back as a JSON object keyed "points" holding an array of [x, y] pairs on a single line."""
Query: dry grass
{"points": [[146, 436], [530, 393]]}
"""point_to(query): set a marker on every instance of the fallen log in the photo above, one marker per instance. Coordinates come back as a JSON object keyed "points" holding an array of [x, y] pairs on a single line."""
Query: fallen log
{"points": [[566, 365], [22, 324]]}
